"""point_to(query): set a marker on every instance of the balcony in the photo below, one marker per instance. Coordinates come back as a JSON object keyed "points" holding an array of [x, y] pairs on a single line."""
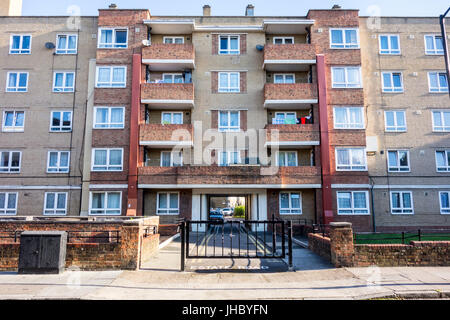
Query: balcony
{"points": [[289, 57], [225, 177], [290, 95], [292, 135], [165, 135], [169, 57], [168, 95]]}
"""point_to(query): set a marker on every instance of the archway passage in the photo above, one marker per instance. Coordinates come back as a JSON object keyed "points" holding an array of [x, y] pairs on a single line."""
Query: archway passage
{"points": [[229, 207]]}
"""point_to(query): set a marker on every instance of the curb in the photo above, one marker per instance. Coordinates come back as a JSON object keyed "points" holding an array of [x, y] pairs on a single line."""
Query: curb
{"points": [[428, 294], [166, 242]]}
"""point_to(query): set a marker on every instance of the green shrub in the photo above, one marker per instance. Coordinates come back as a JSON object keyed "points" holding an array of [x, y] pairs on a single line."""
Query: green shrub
{"points": [[239, 212]]}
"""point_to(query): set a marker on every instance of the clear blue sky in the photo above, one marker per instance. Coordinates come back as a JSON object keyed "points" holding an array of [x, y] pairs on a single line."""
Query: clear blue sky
{"points": [[237, 7]]}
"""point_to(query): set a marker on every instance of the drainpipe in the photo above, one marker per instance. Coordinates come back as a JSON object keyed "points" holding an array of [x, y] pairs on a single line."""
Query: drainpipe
{"points": [[445, 45]]}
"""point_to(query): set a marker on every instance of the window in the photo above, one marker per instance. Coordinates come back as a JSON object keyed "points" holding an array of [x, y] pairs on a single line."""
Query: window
{"points": [[229, 157], [287, 159], [283, 40], [398, 160], [401, 202], [66, 44], [20, 44], [8, 203], [173, 78], [348, 118], [444, 202], [171, 159], [346, 77], [443, 160], [229, 121], [10, 161], [63, 81], [105, 203], [107, 159], [229, 45], [284, 78], [392, 81], [441, 121], [112, 38], [58, 161], [437, 82], [176, 40], [55, 203], [389, 44], [285, 118], [229, 82], [172, 118], [17, 82], [395, 121], [61, 121], [434, 44], [167, 203], [111, 77], [13, 121], [353, 202], [344, 38], [109, 117], [351, 159], [290, 203]]}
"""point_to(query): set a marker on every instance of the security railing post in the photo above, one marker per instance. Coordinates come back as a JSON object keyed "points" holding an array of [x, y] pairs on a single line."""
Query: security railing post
{"points": [[420, 235], [274, 237], [182, 230], [290, 243]]}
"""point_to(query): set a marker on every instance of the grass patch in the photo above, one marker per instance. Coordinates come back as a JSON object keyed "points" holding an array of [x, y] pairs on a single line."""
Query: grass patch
{"points": [[396, 238]]}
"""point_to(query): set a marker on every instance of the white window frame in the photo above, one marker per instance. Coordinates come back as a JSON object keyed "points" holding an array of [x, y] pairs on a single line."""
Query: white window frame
{"points": [[13, 128], [172, 75], [351, 165], [392, 89], [53, 212], [9, 167], [229, 51], [66, 49], [283, 39], [109, 85], [290, 209], [402, 208], [58, 167], [444, 210], [16, 87], [284, 77], [286, 157], [61, 126], [173, 39], [229, 89], [165, 211], [445, 168], [438, 89], [172, 113], [229, 153], [397, 167], [113, 44], [432, 52], [352, 204], [63, 89], [285, 115], [109, 123], [395, 127], [27, 51], [352, 126], [3, 211], [107, 165], [346, 84], [171, 164], [229, 127], [389, 50], [444, 125], [344, 45], [104, 209]]}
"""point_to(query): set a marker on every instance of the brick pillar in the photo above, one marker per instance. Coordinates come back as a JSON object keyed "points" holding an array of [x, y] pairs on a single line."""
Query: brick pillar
{"points": [[341, 244], [130, 245]]}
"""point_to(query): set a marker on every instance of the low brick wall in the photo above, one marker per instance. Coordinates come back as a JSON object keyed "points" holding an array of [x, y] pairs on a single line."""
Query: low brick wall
{"points": [[168, 229], [319, 245], [149, 246]]}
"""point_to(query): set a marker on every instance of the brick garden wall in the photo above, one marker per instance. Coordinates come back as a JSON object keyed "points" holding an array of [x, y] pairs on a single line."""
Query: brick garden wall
{"points": [[319, 245]]}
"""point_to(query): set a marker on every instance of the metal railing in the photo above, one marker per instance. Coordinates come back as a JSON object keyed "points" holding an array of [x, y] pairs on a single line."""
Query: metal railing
{"points": [[100, 236], [150, 230], [402, 236]]}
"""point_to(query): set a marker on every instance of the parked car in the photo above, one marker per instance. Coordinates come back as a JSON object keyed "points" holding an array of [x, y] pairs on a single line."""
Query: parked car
{"points": [[216, 216], [227, 211]]}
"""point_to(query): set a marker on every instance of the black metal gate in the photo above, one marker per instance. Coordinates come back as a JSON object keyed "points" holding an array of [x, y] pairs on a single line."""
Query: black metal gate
{"points": [[242, 239]]}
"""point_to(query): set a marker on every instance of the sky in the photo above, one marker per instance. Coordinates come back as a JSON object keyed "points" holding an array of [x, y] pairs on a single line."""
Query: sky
{"points": [[237, 7]]}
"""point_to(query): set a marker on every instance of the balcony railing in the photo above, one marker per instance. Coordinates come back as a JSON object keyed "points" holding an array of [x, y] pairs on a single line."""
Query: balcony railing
{"points": [[164, 56], [289, 94], [293, 135], [168, 94], [159, 133], [289, 57]]}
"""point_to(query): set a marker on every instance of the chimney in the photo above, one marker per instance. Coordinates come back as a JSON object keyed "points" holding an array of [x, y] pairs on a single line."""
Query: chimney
{"points": [[250, 11], [206, 10], [10, 7], [113, 6], [336, 7]]}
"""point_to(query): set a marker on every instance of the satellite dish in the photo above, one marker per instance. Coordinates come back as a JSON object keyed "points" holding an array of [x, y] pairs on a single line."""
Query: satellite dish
{"points": [[259, 47], [50, 45]]}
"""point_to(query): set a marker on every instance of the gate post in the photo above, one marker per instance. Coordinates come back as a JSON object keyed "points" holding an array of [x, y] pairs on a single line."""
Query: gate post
{"points": [[290, 244], [182, 235]]}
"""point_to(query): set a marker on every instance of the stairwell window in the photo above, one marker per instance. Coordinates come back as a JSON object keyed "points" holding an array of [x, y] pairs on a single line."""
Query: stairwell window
{"points": [[395, 121], [398, 161], [351, 159], [109, 117], [443, 160], [347, 38], [176, 40], [20, 44], [229, 44], [348, 118], [13, 121], [171, 159], [113, 38], [17, 82], [353, 203], [61, 121], [227, 158], [441, 121], [444, 202], [58, 161], [283, 40], [105, 203], [111, 77], [107, 159], [173, 78], [389, 44], [437, 82], [55, 203], [10, 161], [229, 121], [401, 202], [66, 43], [63, 81], [284, 78], [229, 82], [168, 203], [434, 45], [346, 77], [172, 118], [8, 203], [392, 81], [287, 159], [290, 203]]}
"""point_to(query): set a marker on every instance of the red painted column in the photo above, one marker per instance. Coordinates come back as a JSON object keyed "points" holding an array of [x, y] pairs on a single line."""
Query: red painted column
{"points": [[327, 202], [134, 135]]}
